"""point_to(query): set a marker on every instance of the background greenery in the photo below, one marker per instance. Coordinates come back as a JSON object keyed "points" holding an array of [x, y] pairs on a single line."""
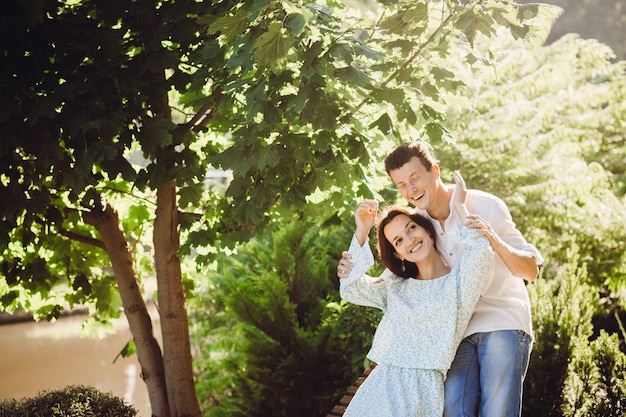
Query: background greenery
{"points": [[543, 128], [603, 20], [114, 114]]}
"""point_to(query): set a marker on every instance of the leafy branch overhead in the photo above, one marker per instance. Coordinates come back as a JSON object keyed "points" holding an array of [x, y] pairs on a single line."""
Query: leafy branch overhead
{"points": [[307, 76], [292, 98]]}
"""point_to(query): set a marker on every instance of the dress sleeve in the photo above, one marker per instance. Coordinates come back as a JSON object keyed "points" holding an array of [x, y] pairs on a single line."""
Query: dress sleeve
{"points": [[359, 288], [474, 272]]}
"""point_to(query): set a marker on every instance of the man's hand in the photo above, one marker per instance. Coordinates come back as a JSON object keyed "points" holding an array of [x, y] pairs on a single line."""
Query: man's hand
{"points": [[345, 266]]}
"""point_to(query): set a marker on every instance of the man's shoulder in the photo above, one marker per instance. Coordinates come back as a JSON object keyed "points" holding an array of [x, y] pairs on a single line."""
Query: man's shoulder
{"points": [[484, 203], [480, 196]]}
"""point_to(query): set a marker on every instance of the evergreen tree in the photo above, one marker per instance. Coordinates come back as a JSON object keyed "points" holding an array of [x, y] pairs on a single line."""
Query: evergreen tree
{"points": [[287, 356]]}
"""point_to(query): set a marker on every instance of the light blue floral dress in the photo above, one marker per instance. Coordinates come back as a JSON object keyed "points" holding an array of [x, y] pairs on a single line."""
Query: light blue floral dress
{"points": [[422, 326]]}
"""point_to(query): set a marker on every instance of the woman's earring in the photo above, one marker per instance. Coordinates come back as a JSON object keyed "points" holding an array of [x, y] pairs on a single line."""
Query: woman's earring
{"points": [[403, 266]]}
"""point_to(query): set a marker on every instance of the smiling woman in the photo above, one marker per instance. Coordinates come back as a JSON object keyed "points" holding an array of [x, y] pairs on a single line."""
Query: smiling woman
{"points": [[418, 291]]}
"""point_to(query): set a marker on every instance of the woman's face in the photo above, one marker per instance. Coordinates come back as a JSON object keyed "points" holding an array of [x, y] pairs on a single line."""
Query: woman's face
{"points": [[410, 241]]}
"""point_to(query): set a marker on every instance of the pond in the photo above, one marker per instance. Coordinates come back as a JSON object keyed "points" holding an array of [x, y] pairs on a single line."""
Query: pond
{"points": [[43, 356]]}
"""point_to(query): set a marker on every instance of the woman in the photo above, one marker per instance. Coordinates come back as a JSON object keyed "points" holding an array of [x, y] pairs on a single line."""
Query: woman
{"points": [[427, 306]]}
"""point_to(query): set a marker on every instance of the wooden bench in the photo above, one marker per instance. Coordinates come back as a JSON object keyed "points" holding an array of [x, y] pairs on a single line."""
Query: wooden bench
{"points": [[341, 406]]}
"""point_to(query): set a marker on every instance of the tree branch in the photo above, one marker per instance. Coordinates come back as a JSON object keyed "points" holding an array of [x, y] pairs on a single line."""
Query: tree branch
{"points": [[413, 57], [82, 238], [204, 110]]}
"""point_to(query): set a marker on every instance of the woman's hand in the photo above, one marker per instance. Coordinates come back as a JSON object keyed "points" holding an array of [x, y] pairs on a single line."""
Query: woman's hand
{"points": [[365, 218]]}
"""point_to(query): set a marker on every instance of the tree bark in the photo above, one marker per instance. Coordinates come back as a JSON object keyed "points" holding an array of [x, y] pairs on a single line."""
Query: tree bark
{"points": [[172, 307], [148, 351]]}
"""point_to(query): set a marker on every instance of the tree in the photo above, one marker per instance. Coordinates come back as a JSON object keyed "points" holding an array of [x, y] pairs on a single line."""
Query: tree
{"points": [[604, 20], [283, 95], [554, 115]]}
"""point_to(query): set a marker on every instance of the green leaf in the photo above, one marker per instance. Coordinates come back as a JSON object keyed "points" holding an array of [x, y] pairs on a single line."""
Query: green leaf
{"points": [[384, 124], [272, 46], [289, 7], [466, 24], [155, 134], [295, 196], [368, 52], [430, 113], [354, 75], [242, 56], [190, 195], [296, 22], [440, 73], [9, 298], [503, 16], [82, 282], [527, 11], [519, 32], [325, 116], [407, 114], [231, 26], [404, 45], [139, 213], [342, 52], [471, 23], [49, 312], [127, 351], [365, 190], [395, 96], [257, 7], [211, 50], [300, 100], [255, 100], [412, 21], [119, 166], [438, 133]]}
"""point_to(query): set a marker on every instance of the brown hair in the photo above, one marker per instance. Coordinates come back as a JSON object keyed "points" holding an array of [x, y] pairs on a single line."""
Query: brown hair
{"points": [[387, 251], [403, 153]]}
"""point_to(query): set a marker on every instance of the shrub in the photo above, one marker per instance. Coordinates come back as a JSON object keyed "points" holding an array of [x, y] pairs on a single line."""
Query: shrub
{"points": [[71, 401], [272, 337], [596, 383], [563, 307]]}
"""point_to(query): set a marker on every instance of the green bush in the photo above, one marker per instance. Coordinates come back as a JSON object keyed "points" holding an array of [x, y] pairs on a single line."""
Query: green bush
{"points": [[71, 401], [271, 336], [563, 307], [596, 383]]}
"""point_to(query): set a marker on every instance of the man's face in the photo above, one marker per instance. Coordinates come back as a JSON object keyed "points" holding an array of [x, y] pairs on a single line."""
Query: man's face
{"points": [[416, 184]]}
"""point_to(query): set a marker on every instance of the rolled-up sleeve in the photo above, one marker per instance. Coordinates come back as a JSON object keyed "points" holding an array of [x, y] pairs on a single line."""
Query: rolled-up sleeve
{"points": [[503, 224]]}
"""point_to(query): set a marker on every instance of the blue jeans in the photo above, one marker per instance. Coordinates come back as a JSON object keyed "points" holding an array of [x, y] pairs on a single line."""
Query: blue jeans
{"points": [[487, 375]]}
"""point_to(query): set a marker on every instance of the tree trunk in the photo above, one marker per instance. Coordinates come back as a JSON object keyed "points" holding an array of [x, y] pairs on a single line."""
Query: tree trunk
{"points": [[148, 351], [172, 307]]}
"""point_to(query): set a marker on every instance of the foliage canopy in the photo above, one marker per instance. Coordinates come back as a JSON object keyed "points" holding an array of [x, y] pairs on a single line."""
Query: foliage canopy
{"points": [[113, 113]]}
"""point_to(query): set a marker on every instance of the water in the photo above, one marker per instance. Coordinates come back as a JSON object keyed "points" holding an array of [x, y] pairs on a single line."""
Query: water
{"points": [[44, 356]]}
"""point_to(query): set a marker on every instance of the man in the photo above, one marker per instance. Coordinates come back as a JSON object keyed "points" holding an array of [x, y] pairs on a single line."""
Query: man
{"points": [[488, 371]]}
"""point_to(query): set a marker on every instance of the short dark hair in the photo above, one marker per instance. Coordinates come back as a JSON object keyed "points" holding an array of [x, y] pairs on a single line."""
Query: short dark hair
{"points": [[403, 153], [388, 252]]}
